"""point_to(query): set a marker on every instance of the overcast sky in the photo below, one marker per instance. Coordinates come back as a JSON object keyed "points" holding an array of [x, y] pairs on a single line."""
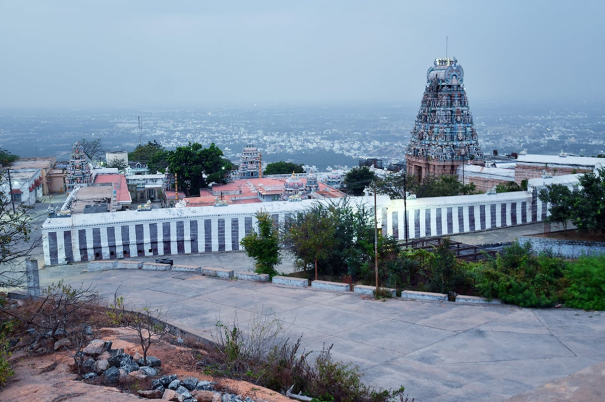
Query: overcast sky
{"points": [[191, 53]]}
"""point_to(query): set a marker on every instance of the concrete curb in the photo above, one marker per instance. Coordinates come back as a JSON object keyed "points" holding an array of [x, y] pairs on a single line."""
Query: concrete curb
{"points": [[476, 299], [218, 272], [251, 276], [128, 265], [369, 290], [187, 268], [336, 286], [410, 294], [100, 266], [151, 266], [289, 281]]}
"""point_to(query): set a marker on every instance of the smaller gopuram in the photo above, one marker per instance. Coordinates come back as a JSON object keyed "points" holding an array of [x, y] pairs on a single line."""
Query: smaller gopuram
{"points": [[250, 163], [78, 172], [444, 136]]}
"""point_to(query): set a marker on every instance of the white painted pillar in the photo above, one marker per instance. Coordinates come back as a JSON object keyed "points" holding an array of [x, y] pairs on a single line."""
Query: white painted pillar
{"points": [[455, 220], [89, 245], [187, 235], [173, 246], [466, 215], [119, 242], [133, 241], [228, 245], [104, 242], [433, 221], [46, 248]]}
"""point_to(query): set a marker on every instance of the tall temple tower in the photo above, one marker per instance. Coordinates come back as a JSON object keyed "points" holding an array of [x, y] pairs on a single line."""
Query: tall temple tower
{"points": [[78, 171], [444, 136]]}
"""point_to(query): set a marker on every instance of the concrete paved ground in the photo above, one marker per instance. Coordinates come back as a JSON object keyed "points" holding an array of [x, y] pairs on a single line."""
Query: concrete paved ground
{"points": [[438, 351]]}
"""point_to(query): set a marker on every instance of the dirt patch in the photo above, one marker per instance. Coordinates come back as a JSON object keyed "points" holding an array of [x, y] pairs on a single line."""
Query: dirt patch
{"points": [[48, 378]]}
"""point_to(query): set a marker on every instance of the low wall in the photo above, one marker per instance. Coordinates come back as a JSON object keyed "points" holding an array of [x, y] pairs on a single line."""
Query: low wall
{"points": [[218, 272], [565, 248]]}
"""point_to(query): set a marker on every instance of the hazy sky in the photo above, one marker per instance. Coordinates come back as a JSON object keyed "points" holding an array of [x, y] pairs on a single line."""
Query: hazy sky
{"points": [[190, 53]]}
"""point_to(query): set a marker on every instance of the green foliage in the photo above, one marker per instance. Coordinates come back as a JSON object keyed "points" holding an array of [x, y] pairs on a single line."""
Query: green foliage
{"points": [[264, 355], [310, 235], [446, 274], [431, 186], [264, 245], [587, 283], [283, 168], [6, 158], [357, 179], [341, 231], [585, 207], [508, 187], [144, 153], [5, 369], [560, 199], [192, 162], [517, 276]]}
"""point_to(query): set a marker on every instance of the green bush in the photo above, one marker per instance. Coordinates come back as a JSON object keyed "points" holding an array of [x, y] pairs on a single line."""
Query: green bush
{"points": [[518, 276], [587, 284], [5, 369], [263, 246]]}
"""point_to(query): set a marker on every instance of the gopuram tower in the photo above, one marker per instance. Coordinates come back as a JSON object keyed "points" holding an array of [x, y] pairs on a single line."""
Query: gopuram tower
{"points": [[444, 136]]}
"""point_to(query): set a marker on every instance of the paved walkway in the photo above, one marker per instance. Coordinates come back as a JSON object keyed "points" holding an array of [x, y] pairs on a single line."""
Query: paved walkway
{"points": [[438, 351]]}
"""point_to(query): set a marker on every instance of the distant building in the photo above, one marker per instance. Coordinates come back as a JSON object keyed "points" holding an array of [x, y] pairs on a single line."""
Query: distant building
{"points": [[45, 164], [78, 172], [250, 163], [26, 186], [117, 157], [444, 136]]}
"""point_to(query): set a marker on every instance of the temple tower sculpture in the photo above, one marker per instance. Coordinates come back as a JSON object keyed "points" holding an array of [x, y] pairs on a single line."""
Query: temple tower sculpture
{"points": [[250, 163], [78, 173], [444, 136]]}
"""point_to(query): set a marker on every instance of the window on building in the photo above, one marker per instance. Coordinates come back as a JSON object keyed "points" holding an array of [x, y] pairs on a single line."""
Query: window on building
{"points": [[17, 197]]}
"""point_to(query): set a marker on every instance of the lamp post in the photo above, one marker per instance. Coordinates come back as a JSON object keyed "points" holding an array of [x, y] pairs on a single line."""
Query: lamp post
{"points": [[375, 243], [405, 208]]}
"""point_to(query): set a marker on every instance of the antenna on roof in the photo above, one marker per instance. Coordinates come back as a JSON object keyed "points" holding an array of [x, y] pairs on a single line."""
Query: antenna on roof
{"points": [[446, 47], [140, 129]]}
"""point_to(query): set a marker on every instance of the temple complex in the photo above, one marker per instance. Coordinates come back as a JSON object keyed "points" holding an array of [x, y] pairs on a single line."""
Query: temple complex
{"points": [[444, 136]]}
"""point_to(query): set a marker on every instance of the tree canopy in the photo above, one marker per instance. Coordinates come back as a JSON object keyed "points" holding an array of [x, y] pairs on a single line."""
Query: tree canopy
{"points": [[431, 186], [6, 158], [283, 168], [144, 153], [93, 149], [584, 206], [263, 245], [117, 163], [197, 166], [357, 179], [16, 237]]}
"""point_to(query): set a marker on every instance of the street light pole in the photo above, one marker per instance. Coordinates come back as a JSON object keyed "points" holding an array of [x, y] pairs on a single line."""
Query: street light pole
{"points": [[375, 243], [405, 208]]}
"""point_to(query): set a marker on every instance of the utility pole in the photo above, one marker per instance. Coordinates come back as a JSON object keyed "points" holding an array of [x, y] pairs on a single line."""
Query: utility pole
{"points": [[10, 186], [176, 187], [375, 243], [405, 207]]}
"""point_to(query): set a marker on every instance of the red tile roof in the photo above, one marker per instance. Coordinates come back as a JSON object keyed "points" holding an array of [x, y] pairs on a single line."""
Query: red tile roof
{"points": [[119, 184]]}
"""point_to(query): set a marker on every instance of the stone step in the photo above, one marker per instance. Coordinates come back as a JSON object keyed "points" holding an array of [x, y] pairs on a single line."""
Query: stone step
{"points": [[411, 294]]}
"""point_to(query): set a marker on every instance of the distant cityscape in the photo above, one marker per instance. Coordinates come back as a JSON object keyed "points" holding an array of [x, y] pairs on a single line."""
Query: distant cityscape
{"points": [[320, 136]]}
